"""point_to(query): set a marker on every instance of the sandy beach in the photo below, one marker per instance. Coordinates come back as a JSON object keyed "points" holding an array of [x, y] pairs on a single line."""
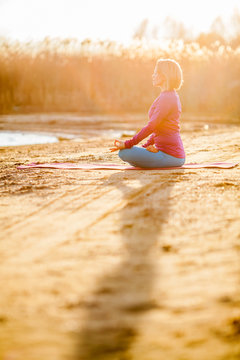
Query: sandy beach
{"points": [[118, 265]]}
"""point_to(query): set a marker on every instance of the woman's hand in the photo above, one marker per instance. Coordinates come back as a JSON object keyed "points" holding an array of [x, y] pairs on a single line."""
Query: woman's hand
{"points": [[152, 148], [118, 145]]}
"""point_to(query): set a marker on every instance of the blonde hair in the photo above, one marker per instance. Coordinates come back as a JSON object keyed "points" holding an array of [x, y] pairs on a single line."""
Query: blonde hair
{"points": [[172, 72]]}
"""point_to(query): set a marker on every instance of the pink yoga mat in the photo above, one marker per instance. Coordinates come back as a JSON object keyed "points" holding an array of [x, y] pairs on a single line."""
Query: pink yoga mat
{"points": [[86, 166]]}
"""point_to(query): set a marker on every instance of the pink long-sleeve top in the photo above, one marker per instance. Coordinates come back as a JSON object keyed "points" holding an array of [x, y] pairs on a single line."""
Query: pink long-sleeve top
{"points": [[163, 126]]}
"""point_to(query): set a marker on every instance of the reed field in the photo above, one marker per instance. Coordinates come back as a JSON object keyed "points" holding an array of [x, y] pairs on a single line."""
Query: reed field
{"points": [[108, 77]]}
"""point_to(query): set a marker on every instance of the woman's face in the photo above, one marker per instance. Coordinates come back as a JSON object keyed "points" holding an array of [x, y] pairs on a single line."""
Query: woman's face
{"points": [[158, 79]]}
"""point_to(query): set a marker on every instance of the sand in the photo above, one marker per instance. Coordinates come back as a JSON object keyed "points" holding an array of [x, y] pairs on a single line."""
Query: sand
{"points": [[119, 265]]}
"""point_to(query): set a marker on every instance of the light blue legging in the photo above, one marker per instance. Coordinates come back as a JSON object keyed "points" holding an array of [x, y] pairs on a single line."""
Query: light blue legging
{"points": [[140, 157]]}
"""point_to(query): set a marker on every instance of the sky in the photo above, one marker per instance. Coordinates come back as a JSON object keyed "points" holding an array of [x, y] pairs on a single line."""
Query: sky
{"points": [[104, 19]]}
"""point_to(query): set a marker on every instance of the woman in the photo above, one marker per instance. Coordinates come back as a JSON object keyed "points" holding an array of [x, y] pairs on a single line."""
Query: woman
{"points": [[164, 148]]}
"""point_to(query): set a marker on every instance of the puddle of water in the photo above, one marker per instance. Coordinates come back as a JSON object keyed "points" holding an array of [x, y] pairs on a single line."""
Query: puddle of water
{"points": [[13, 138]]}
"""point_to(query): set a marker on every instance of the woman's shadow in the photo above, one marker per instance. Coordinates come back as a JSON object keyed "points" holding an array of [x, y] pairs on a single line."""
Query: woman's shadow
{"points": [[123, 295]]}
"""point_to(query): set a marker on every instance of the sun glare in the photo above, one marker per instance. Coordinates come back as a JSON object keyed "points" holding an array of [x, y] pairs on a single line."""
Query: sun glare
{"points": [[104, 19]]}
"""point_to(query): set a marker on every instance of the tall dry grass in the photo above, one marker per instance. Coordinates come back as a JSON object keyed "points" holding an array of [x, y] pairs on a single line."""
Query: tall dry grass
{"points": [[103, 76]]}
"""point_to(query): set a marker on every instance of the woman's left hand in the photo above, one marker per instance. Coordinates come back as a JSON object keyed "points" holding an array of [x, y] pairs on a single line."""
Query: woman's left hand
{"points": [[118, 145]]}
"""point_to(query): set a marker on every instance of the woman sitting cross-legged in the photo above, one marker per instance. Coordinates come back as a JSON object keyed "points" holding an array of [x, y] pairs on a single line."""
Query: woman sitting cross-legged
{"points": [[164, 147]]}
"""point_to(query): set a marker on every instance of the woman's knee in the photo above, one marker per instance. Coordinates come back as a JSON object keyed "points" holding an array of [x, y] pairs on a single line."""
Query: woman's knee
{"points": [[125, 154]]}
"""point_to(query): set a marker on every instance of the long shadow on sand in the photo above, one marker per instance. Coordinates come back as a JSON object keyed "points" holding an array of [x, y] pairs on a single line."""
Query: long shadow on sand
{"points": [[125, 294]]}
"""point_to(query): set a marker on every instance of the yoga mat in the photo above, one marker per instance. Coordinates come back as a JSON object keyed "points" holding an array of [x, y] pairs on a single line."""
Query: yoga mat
{"points": [[99, 166]]}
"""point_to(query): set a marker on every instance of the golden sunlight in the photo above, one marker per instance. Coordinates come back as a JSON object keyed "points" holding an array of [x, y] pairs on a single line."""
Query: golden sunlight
{"points": [[98, 261], [106, 19]]}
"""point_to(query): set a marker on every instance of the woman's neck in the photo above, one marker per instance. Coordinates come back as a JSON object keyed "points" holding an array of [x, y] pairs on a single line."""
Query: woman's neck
{"points": [[163, 88]]}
